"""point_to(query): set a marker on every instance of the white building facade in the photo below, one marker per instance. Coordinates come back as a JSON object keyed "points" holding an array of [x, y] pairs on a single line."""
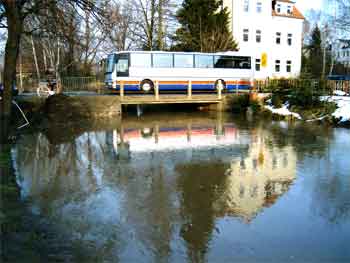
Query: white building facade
{"points": [[272, 32], [342, 52]]}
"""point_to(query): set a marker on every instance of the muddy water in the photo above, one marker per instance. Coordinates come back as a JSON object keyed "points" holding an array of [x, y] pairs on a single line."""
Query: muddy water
{"points": [[190, 188]]}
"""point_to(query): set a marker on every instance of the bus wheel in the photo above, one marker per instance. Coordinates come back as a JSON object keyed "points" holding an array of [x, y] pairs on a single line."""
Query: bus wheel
{"points": [[147, 86], [220, 85]]}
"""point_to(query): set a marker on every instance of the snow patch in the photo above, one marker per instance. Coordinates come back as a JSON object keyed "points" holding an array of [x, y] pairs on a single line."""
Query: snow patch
{"points": [[343, 103], [340, 93], [284, 111]]}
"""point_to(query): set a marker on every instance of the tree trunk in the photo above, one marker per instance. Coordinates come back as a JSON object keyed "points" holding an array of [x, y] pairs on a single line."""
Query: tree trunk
{"points": [[35, 58], [14, 31], [160, 25]]}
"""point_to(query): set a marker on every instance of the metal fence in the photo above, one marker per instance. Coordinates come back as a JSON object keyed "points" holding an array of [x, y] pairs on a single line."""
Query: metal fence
{"points": [[94, 84], [68, 84], [79, 84], [318, 86]]}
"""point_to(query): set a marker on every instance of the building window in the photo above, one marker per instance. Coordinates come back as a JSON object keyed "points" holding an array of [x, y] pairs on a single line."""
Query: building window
{"points": [[289, 10], [258, 36], [257, 64], [289, 39], [278, 38], [258, 7], [278, 9], [245, 35], [289, 66], [277, 65], [246, 6]]}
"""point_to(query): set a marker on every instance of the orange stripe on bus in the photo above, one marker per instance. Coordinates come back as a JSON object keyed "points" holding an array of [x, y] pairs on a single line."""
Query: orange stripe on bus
{"points": [[237, 82], [202, 82], [129, 82], [173, 82]]}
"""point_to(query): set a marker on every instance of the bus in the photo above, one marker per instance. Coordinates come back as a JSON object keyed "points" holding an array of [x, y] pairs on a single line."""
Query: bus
{"points": [[140, 71]]}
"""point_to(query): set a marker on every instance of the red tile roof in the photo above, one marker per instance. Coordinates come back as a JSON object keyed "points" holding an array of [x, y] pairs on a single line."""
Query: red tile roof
{"points": [[286, 1], [295, 14]]}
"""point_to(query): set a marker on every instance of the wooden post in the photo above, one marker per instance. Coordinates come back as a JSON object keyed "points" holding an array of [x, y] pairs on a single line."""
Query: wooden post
{"points": [[121, 89], [189, 132], [156, 133], [219, 92], [157, 90], [189, 89]]}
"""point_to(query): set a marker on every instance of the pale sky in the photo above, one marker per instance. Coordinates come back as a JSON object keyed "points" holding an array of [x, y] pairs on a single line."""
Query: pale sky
{"points": [[304, 5]]}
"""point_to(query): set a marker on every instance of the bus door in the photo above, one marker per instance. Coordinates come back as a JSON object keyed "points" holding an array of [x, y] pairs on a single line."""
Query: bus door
{"points": [[122, 65]]}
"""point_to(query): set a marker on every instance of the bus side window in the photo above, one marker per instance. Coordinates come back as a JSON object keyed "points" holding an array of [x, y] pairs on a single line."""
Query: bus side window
{"points": [[141, 60], [183, 61], [224, 62], [162, 60], [204, 61]]}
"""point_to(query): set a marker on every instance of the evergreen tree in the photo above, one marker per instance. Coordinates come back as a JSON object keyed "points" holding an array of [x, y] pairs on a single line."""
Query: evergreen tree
{"points": [[204, 27], [313, 61]]}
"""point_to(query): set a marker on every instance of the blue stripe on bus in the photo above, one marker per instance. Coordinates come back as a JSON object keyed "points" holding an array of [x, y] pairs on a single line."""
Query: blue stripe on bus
{"points": [[229, 87], [128, 87], [240, 87], [172, 87], [203, 87]]}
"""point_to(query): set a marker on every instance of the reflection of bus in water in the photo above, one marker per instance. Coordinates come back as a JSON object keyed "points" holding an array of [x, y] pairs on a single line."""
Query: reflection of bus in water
{"points": [[175, 138], [139, 71]]}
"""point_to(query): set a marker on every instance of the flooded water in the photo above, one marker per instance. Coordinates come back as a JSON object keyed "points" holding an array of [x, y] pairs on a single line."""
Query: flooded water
{"points": [[190, 188]]}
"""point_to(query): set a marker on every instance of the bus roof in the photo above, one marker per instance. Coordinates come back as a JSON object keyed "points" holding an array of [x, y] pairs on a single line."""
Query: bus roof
{"points": [[226, 53]]}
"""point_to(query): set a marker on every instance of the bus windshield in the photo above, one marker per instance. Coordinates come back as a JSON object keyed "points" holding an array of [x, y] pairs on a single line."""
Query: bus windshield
{"points": [[110, 63]]}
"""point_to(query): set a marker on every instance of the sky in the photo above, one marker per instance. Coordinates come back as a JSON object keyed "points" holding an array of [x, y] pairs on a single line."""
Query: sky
{"points": [[304, 5]]}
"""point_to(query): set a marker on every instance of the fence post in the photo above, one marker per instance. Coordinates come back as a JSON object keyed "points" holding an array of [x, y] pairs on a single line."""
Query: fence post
{"points": [[219, 92], [121, 90], [189, 89], [157, 90]]}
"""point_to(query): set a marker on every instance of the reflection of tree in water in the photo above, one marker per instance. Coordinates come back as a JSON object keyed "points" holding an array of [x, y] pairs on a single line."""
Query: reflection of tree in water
{"points": [[331, 195], [331, 199], [200, 185], [313, 143], [305, 138]]}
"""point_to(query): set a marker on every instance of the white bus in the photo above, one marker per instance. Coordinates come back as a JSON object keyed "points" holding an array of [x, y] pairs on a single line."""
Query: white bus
{"points": [[139, 71]]}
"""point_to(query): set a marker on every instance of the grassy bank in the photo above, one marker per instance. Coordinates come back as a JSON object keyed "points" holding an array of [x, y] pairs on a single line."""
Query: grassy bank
{"points": [[300, 98]]}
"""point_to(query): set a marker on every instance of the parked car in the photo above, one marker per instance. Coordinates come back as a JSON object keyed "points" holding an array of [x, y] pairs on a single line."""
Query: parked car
{"points": [[14, 90]]}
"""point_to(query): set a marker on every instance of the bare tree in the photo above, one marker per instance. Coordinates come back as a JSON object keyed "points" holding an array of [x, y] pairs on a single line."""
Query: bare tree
{"points": [[14, 16], [342, 17], [120, 19]]}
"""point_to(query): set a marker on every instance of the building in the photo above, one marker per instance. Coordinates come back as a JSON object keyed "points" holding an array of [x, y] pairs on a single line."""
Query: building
{"points": [[342, 52], [272, 32]]}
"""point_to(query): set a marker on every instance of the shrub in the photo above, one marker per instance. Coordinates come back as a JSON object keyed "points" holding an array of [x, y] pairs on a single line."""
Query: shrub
{"points": [[240, 103], [255, 106]]}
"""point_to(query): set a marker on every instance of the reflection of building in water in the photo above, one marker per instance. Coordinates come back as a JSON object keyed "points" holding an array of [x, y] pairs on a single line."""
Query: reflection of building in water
{"points": [[126, 141], [258, 179]]}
